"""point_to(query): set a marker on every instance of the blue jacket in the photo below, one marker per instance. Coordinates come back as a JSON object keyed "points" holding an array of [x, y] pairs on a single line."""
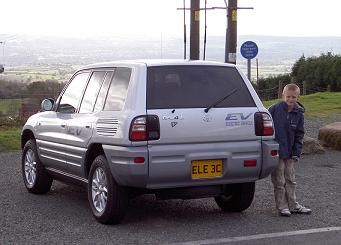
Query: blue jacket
{"points": [[289, 129]]}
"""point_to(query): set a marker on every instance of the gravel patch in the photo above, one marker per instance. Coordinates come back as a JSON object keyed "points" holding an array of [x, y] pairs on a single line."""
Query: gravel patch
{"points": [[63, 215], [312, 124]]}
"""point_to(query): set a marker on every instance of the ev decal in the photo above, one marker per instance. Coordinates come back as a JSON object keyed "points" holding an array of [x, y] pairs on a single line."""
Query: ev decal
{"points": [[238, 119]]}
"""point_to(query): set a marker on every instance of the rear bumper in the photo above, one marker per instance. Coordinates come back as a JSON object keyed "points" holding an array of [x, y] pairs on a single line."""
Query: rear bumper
{"points": [[269, 162], [170, 166], [122, 166]]}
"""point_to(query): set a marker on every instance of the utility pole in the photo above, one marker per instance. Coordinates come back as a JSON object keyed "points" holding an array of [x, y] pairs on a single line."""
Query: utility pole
{"points": [[231, 7], [231, 38], [227, 33], [195, 27], [2, 68]]}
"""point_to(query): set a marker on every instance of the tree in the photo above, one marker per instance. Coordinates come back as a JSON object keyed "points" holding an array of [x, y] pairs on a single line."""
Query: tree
{"points": [[297, 68], [319, 72]]}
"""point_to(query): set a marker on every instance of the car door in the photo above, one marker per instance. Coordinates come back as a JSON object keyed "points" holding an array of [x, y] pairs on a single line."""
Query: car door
{"points": [[50, 135], [53, 130], [79, 126]]}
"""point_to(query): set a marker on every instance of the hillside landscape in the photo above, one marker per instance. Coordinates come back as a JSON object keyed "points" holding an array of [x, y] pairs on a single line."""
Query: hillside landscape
{"points": [[30, 58]]}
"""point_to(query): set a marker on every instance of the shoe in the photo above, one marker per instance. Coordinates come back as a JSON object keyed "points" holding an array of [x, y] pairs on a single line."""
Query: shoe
{"points": [[300, 209], [284, 212]]}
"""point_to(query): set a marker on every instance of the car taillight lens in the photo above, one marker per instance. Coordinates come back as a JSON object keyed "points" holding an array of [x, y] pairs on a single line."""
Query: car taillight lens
{"points": [[139, 159], [263, 124], [144, 127], [250, 163]]}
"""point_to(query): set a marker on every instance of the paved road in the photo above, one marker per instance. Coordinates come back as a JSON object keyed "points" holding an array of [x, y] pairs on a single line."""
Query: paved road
{"points": [[63, 215]]}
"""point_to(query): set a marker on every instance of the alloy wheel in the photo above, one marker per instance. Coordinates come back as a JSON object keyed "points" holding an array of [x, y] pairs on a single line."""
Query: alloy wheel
{"points": [[30, 167], [99, 190]]}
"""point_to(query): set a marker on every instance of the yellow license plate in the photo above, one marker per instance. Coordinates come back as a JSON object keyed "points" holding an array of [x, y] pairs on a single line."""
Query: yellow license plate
{"points": [[207, 168]]}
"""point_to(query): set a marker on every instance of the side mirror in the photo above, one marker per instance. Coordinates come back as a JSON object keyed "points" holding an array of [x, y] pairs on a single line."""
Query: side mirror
{"points": [[47, 104]]}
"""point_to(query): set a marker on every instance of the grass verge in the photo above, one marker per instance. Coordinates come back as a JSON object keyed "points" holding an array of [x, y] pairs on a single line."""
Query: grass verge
{"points": [[318, 104], [12, 106], [9, 139]]}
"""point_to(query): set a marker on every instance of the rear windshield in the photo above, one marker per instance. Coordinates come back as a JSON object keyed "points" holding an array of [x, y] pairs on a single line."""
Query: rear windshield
{"points": [[171, 87]]}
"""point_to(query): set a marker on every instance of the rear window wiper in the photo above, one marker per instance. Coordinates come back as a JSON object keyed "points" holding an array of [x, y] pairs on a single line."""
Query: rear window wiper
{"points": [[220, 100]]}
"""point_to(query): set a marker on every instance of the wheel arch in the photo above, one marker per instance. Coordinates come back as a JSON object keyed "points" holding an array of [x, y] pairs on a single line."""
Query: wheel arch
{"points": [[27, 134], [93, 151]]}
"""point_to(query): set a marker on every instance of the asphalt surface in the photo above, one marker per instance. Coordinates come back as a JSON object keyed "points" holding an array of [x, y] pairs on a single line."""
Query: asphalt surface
{"points": [[63, 215]]}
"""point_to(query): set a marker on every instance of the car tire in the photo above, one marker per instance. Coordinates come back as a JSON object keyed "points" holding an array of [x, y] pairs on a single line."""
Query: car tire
{"points": [[36, 179], [236, 197], [108, 200]]}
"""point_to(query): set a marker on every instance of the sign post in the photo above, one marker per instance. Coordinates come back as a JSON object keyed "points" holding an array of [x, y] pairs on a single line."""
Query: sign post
{"points": [[249, 50]]}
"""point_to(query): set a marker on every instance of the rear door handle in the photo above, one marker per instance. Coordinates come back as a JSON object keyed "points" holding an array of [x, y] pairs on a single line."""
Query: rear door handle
{"points": [[63, 125]]}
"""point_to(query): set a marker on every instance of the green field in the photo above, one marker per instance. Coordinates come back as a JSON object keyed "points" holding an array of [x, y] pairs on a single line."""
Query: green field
{"points": [[9, 139], [39, 73], [11, 107], [318, 104]]}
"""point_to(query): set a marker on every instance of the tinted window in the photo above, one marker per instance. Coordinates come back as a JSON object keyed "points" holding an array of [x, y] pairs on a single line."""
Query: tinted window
{"points": [[195, 87], [91, 92], [103, 92], [118, 89], [73, 93]]}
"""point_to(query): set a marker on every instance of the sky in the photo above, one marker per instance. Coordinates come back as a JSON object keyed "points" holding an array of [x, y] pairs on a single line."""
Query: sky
{"points": [[82, 18]]}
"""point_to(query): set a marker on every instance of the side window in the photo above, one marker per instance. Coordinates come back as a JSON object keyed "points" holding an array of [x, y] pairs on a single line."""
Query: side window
{"points": [[73, 93], [118, 89], [103, 92], [91, 92]]}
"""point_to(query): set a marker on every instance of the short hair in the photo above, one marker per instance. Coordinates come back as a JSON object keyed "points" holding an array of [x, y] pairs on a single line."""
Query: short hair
{"points": [[292, 87]]}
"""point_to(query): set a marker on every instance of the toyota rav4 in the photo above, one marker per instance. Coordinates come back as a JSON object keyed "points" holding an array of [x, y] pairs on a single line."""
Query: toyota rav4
{"points": [[176, 129]]}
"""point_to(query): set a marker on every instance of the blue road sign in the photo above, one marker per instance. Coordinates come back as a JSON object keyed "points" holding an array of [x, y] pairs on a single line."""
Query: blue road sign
{"points": [[249, 50]]}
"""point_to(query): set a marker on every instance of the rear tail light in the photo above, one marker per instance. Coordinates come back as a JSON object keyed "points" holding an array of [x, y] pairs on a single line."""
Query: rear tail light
{"points": [[263, 124], [139, 159], [144, 128]]}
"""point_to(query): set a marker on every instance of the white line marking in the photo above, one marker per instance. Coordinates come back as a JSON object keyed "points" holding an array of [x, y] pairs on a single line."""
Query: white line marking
{"points": [[259, 236]]}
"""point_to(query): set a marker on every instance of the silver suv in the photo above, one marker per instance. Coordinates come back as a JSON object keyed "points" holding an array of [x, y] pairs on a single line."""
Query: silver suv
{"points": [[178, 129]]}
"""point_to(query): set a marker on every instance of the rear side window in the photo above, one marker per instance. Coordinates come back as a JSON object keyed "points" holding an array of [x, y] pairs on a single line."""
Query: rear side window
{"points": [[118, 89], [171, 87], [103, 92], [91, 92]]}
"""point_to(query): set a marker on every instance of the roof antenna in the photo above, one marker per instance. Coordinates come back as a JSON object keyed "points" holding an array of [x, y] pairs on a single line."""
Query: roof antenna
{"points": [[204, 55], [185, 55], [161, 40]]}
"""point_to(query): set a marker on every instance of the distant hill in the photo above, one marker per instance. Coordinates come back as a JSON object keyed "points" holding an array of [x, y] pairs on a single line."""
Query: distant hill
{"points": [[276, 54]]}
